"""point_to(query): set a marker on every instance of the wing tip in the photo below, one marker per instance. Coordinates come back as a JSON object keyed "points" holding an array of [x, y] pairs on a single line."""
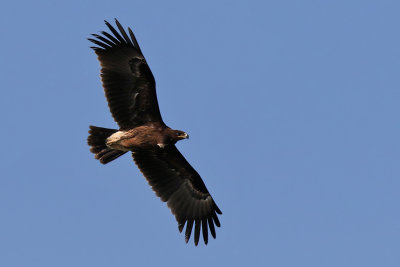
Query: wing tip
{"points": [[116, 37], [181, 226], [217, 210], [205, 225]]}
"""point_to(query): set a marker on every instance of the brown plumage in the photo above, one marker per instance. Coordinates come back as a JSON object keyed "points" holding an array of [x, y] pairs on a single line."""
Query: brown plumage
{"points": [[131, 94]]}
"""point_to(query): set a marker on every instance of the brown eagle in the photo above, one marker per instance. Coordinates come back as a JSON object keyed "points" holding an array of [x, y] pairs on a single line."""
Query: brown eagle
{"points": [[130, 90]]}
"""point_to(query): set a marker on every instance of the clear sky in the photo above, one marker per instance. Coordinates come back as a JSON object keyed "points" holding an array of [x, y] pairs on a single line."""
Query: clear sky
{"points": [[293, 113]]}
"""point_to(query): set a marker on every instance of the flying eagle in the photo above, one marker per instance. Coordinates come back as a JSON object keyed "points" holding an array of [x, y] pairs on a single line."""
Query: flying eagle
{"points": [[130, 90]]}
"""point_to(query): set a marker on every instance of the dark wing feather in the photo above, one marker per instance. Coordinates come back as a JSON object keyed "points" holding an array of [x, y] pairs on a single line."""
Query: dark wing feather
{"points": [[127, 79], [177, 183]]}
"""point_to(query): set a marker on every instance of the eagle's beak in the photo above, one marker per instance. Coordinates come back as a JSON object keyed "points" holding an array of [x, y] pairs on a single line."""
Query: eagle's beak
{"points": [[185, 136]]}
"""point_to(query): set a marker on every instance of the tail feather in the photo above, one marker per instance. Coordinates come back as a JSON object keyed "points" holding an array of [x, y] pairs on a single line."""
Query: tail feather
{"points": [[97, 142]]}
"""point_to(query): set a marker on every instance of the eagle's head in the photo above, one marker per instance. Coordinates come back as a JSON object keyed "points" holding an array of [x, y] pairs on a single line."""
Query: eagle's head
{"points": [[179, 135]]}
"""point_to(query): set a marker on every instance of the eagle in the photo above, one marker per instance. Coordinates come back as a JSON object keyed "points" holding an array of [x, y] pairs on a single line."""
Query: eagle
{"points": [[130, 90]]}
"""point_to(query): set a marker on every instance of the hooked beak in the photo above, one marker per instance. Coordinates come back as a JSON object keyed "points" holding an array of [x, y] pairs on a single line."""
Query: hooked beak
{"points": [[185, 136]]}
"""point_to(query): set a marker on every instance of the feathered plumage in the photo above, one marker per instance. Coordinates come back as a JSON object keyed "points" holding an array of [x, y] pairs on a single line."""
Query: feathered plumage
{"points": [[130, 90]]}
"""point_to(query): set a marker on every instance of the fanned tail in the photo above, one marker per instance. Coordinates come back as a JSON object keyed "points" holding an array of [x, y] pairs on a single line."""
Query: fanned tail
{"points": [[97, 142]]}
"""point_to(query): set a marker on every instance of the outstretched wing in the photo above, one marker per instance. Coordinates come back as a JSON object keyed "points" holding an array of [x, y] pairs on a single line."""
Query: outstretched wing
{"points": [[177, 183], [127, 79]]}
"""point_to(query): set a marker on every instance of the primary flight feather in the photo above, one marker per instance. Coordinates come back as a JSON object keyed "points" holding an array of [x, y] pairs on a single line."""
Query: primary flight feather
{"points": [[130, 90]]}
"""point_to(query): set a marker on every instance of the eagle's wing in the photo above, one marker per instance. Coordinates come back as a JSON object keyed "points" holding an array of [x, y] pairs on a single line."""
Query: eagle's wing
{"points": [[127, 79], [177, 183]]}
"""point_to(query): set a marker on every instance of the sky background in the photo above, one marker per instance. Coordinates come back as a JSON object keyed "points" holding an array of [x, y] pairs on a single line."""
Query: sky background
{"points": [[293, 113]]}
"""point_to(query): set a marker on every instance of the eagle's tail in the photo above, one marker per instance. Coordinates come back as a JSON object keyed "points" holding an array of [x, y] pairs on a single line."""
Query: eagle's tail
{"points": [[97, 142]]}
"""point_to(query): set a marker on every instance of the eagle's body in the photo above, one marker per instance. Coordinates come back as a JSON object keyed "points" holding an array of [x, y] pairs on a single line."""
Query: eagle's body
{"points": [[130, 90], [144, 137]]}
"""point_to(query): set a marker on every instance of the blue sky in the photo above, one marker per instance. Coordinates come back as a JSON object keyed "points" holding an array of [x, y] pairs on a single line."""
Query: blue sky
{"points": [[293, 113]]}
